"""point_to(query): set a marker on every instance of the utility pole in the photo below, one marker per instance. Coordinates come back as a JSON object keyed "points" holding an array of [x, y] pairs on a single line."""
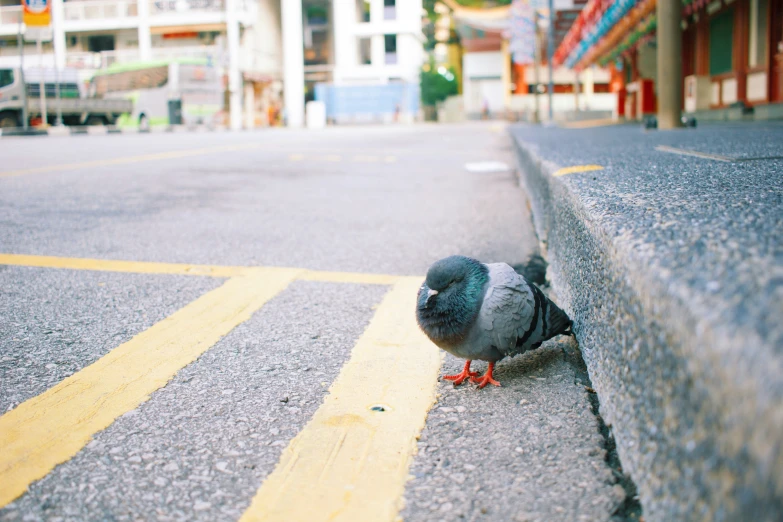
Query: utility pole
{"points": [[669, 37], [550, 53], [42, 80], [59, 121], [20, 43], [536, 64]]}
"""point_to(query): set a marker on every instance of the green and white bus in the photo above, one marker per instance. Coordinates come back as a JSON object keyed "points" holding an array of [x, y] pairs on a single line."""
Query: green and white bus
{"points": [[186, 91]]}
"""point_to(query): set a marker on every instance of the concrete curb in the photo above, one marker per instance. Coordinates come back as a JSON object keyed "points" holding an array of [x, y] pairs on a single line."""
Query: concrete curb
{"points": [[103, 130], [697, 426]]}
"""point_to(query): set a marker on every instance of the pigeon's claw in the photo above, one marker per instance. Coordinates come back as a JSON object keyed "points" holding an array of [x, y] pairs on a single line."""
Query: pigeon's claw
{"points": [[486, 378], [459, 378]]}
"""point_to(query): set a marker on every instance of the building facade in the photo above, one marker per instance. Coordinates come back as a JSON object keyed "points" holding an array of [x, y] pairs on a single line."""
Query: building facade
{"points": [[732, 55], [271, 53]]}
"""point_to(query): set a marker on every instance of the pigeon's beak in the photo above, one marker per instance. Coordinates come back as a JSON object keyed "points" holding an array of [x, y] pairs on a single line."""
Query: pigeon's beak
{"points": [[430, 295]]}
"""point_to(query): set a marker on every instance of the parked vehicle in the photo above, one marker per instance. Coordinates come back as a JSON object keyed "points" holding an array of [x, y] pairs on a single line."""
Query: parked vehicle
{"points": [[75, 108], [185, 91]]}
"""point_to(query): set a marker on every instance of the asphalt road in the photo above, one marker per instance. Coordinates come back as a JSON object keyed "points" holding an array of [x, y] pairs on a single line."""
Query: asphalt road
{"points": [[249, 357]]}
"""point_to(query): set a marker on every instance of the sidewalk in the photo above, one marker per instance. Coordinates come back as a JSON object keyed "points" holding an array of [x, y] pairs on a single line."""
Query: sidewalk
{"points": [[668, 255]]}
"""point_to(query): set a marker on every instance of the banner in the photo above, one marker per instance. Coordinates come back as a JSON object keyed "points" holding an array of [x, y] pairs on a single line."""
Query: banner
{"points": [[522, 31], [37, 13]]}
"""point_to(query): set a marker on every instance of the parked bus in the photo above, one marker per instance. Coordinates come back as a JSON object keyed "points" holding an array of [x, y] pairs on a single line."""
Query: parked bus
{"points": [[185, 91]]}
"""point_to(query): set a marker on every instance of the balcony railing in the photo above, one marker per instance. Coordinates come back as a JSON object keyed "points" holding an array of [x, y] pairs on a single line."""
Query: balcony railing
{"points": [[182, 6], [100, 9], [10, 15], [101, 60], [105, 59]]}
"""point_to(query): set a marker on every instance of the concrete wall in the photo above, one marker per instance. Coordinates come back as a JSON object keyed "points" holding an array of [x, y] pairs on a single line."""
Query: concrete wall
{"points": [[482, 82]]}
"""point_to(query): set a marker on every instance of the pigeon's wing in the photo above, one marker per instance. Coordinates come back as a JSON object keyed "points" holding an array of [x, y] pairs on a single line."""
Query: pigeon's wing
{"points": [[509, 314]]}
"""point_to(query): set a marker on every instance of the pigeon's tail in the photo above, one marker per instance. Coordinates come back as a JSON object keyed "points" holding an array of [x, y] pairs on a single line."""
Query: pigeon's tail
{"points": [[534, 270], [557, 321]]}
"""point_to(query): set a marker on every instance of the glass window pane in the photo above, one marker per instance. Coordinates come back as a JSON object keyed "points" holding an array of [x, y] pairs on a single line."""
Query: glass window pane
{"points": [[6, 77]]}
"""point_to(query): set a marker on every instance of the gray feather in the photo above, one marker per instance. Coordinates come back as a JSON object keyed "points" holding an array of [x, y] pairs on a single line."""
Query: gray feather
{"points": [[508, 308]]}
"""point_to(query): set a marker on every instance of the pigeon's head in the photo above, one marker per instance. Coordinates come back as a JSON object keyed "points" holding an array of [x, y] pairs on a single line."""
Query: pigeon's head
{"points": [[453, 285]]}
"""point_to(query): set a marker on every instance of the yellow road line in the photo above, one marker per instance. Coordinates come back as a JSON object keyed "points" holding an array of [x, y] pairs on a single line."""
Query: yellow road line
{"points": [[128, 159], [365, 159], [51, 428], [348, 277], [695, 153], [332, 158], [588, 124], [143, 267], [390, 159], [350, 463], [575, 169], [135, 267], [295, 157]]}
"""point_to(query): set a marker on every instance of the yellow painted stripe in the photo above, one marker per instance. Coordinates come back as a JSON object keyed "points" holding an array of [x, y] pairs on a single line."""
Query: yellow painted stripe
{"points": [[135, 267], [51, 428], [143, 267], [348, 277], [128, 159], [589, 124], [350, 463], [577, 168]]}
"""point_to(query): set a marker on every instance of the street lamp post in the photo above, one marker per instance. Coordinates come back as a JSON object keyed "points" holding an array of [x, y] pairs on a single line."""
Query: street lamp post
{"points": [[550, 53]]}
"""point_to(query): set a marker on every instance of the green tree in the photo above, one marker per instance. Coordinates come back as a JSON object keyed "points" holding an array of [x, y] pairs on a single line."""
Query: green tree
{"points": [[437, 83]]}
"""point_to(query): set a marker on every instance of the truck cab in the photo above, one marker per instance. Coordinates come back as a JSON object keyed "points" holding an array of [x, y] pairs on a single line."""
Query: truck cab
{"points": [[63, 97], [10, 98]]}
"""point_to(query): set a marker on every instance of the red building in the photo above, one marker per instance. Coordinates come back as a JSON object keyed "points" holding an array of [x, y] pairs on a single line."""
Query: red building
{"points": [[732, 55]]}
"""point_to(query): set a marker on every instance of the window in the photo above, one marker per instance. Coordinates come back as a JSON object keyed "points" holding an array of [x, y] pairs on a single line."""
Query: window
{"points": [[6, 77], [721, 42], [389, 10], [757, 37], [363, 11], [390, 46], [96, 44], [365, 51]]}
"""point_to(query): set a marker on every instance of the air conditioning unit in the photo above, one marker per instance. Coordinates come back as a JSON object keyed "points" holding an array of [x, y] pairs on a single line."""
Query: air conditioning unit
{"points": [[697, 93]]}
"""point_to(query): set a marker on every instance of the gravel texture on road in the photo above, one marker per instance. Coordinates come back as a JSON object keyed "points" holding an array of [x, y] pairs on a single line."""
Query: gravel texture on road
{"points": [[525, 452], [56, 322], [200, 447], [382, 200], [331, 200]]}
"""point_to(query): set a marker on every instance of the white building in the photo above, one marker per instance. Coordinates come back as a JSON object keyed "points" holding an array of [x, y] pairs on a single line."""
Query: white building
{"points": [[270, 50], [349, 43], [90, 34]]}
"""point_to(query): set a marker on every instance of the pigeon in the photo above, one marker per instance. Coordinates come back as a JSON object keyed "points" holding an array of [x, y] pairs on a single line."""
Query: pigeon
{"points": [[484, 311]]}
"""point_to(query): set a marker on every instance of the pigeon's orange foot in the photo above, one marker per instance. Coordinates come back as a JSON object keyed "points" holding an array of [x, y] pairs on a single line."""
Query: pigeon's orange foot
{"points": [[460, 377], [486, 378]]}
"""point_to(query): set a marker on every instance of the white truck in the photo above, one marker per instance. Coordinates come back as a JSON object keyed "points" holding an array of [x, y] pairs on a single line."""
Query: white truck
{"points": [[71, 102]]}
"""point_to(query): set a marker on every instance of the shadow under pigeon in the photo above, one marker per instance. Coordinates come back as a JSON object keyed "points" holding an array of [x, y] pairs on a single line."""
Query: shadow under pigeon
{"points": [[529, 364]]}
